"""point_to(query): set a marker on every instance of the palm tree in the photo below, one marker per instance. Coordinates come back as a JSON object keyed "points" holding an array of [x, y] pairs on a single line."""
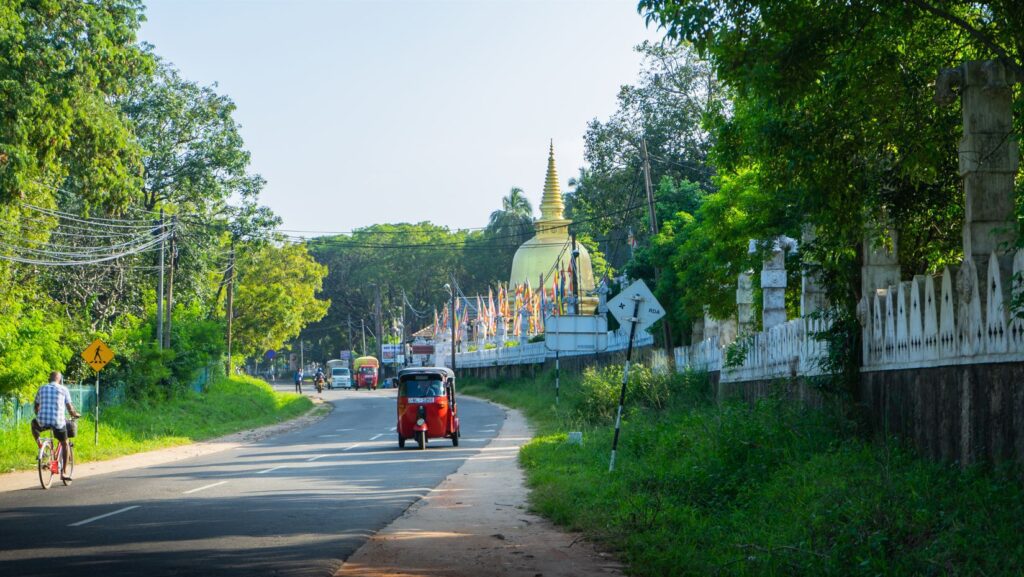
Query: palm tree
{"points": [[513, 223]]}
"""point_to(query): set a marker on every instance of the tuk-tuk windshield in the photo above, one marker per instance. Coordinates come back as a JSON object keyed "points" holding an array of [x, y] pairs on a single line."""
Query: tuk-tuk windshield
{"points": [[421, 386]]}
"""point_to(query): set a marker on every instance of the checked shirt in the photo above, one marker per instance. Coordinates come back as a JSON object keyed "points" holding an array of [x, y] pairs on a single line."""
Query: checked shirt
{"points": [[51, 398]]}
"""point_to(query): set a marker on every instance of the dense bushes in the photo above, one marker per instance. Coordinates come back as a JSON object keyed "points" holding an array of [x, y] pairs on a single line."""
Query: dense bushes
{"points": [[770, 489]]}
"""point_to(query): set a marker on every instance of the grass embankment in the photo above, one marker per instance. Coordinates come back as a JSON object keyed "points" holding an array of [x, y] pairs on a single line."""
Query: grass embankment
{"points": [[229, 405], [774, 489]]}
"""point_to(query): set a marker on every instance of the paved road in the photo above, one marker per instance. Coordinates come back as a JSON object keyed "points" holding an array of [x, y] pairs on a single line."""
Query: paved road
{"points": [[297, 504]]}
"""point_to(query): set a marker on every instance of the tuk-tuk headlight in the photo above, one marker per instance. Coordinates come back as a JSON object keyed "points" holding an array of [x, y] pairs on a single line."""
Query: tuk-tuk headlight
{"points": [[421, 422]]}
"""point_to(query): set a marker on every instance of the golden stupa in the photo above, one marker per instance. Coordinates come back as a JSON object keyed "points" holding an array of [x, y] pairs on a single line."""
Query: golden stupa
{"points": [[536, 258]]}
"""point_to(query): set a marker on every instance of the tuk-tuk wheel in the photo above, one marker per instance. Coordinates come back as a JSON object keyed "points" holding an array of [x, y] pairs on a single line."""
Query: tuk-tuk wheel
{"points": [[401, 442], [421, 439], [455, 439]]}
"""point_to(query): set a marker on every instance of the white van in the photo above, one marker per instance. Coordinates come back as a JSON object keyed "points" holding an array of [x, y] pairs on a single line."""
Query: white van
{"points": [[341, 378]]}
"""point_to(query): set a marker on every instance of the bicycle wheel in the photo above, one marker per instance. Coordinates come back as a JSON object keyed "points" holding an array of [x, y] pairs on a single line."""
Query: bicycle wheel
{"points": [[45, 471], [69, 467]]}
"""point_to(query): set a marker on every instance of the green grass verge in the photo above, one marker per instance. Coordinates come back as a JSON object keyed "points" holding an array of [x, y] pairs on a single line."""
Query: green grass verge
{"points": [[773, 489], [229, 405]]}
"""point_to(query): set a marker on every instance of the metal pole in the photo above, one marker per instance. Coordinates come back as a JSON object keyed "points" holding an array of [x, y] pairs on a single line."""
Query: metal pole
{"points": [[170, 283], [575, 276], [625, 379], [96, 422], [453, 324], [362, 325], [557, 375], [160, 290], [666, 327], [231, 303]]}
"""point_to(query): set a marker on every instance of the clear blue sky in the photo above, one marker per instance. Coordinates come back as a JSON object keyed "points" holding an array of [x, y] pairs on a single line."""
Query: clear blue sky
{"points": [[403, 111]]}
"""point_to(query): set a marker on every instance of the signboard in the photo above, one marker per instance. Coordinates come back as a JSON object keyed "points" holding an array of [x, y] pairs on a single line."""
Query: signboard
{"points": [[391, 354], [622, 305], [270, 354], [345, 355], [97, 355], [422, 349], [567, 333]]}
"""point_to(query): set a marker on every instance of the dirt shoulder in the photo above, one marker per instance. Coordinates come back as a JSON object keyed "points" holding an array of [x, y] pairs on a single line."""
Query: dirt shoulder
{"points": [[476, 523], [29, 480]]}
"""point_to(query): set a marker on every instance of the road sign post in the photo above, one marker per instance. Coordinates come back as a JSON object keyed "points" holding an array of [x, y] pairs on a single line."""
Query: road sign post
{"points": [[645, 311], [97, 355]]}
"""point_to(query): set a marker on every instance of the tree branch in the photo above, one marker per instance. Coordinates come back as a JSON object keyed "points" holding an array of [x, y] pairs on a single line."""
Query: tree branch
{"points": [[978, 35]]}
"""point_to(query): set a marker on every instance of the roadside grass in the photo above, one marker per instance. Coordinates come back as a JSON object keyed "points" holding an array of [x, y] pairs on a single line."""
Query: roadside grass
{"points": [[771, 489], [229, 405]]}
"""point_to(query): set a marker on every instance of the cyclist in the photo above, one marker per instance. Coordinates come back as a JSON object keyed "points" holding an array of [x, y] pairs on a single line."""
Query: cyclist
{"points": [[51, 400]]}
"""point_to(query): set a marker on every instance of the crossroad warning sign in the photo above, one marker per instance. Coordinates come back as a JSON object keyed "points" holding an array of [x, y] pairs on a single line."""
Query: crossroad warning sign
{"points": [[98, 354]]}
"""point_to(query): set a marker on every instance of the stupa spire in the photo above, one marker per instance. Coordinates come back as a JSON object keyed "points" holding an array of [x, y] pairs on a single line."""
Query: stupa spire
{"points": [[551, 203]]}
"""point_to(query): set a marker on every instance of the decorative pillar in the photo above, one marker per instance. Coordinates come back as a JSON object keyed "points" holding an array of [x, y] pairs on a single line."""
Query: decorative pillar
{"points": [[773, 283], [812, 294], [989, 158], [745, 303], [881, 268]]}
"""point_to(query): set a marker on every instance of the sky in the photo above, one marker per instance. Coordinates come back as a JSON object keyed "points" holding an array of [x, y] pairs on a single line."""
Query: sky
{"points": [[363, 112]]}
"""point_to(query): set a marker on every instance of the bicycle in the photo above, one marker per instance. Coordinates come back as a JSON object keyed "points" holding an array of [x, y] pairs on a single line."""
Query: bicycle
{"points": [[49, 460]]}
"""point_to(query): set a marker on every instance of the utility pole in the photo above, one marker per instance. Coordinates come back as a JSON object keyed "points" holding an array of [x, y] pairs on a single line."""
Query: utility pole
{"points": [[577, 300], [302, 354], [170, 283], [362, 324], [160, 289], [231, 300], [380, 326], [453, 322], [350, 347], [653, 217]]}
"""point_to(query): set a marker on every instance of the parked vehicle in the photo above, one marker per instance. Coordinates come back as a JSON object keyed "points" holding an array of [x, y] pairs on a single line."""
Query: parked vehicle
{"points": [[426, 406], [338, 375], [366, 372]]}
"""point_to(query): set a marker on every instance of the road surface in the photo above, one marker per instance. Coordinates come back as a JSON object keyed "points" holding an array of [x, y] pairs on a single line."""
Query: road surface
{"points": [[293, 505]]}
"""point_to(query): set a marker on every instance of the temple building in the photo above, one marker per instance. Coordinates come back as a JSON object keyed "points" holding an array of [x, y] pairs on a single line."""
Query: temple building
{"points": [[537, 257]]}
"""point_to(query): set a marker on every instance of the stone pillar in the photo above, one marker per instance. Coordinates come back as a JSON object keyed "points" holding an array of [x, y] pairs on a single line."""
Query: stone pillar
{"points": [[745, 303], [989, 157], [881, 267], [812, 294], [711, 325], [773, 284]]}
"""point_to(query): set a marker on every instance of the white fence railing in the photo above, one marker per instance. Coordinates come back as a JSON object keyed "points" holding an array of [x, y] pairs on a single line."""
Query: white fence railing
{"points": [[905, 326], [534, 353], [787, 350]]}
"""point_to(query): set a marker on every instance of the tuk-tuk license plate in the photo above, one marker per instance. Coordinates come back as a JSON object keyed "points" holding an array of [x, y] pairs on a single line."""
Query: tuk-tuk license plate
{"points": [[421, 400]]}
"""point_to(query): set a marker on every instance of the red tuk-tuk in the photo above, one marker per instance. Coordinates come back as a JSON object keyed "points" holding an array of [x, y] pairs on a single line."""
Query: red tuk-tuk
{"points": [[426, 406]]}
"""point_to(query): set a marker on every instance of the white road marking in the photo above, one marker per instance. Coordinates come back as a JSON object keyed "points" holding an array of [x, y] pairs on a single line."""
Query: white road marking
{"points": [[316, 457], [375, 437], [104, 516], [328, 435], [492, 425], [271, 469], [486, 431], [210, 486], [393, 429], [350, 448], [342, 430]]}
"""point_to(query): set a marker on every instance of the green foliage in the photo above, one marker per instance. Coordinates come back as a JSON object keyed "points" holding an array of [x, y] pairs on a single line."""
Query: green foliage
{"points": [[229, 405], [770, 489], [31, 344], [276, 297], [667, 106], [600, 389]]}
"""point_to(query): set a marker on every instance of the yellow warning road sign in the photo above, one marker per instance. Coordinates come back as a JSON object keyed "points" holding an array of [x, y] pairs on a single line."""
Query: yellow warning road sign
{"points": [[98, 354]]}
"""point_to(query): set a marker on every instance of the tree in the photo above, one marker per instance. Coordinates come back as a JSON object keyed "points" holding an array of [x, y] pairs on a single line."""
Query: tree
{"points": [[276, 297], [675, 95]]}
